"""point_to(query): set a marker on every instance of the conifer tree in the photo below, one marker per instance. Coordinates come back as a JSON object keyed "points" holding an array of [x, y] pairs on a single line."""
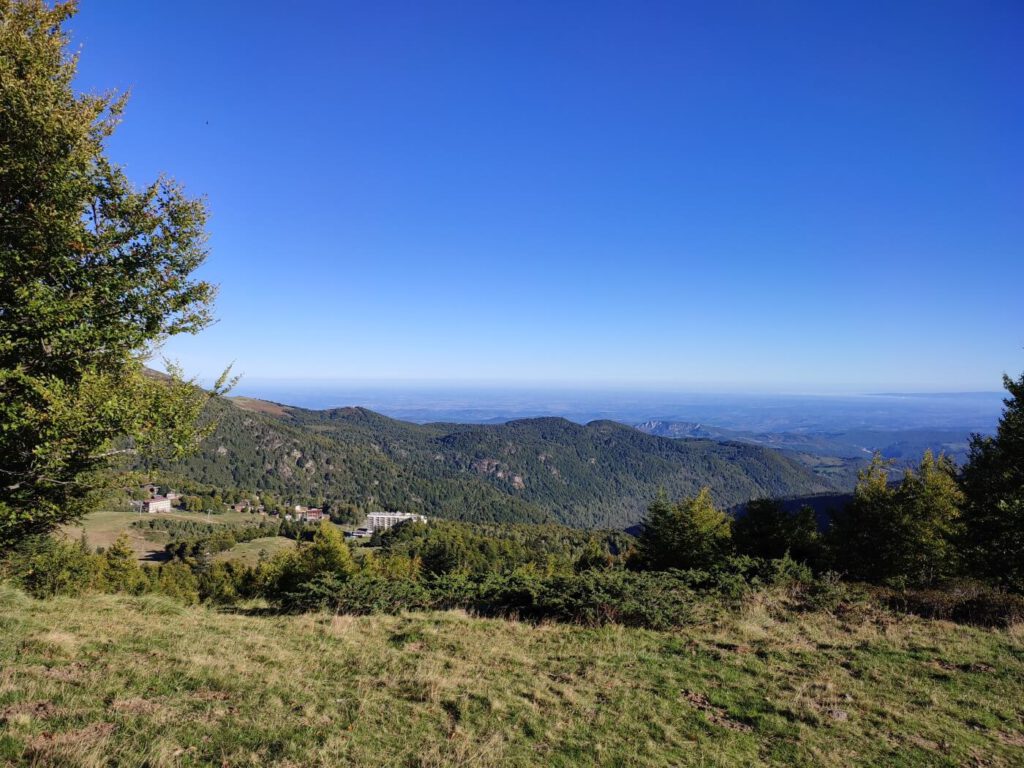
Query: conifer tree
{"points": [[766, 529], [690, 533], [122, 572], [901, 534], [327, 553], [931, 506], [993, 483]]}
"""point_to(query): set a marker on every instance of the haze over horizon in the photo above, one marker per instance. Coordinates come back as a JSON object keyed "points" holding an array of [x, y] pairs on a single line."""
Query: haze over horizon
{"points": [[962, 413], [801, 197]]}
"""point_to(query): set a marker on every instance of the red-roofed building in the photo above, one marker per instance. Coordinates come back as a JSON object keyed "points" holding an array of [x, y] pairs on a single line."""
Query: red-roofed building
{"points": [[313, 515]]}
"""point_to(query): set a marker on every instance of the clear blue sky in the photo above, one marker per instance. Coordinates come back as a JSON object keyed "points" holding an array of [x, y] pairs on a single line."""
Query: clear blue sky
{"points": [[806, 196]]}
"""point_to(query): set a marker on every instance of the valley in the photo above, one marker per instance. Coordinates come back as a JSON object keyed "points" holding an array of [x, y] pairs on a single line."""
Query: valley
{"points": [[599, 475]]}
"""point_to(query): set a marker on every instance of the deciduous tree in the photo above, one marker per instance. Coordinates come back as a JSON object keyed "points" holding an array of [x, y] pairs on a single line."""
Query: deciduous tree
{"points": [[94, 274]]}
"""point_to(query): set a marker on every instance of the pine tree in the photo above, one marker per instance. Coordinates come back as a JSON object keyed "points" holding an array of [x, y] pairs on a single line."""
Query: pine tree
{"points": [[931, 508], [121, 568], [327, 553], [901, 534], [766, 529], [993, 484], [690, 533]]}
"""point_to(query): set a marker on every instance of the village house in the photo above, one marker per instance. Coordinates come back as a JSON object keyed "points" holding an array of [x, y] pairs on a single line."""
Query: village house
{"points": [[314, 515], [156, 504], [152, 491]]}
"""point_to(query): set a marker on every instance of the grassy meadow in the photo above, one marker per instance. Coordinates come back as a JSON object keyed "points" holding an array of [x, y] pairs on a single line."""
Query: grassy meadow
{"points": [[248, 552], [114, 680], [102, 528]]}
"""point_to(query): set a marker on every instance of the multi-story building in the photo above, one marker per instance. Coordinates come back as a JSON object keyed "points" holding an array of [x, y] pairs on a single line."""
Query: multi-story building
{"points": [[381, 521]]}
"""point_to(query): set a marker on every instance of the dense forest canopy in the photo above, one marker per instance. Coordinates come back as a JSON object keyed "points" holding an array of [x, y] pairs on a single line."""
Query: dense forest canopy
{"points": [[602, 474]]}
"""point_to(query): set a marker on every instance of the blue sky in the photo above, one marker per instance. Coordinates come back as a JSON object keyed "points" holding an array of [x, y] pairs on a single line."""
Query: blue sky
{"points": [[742, 196]]}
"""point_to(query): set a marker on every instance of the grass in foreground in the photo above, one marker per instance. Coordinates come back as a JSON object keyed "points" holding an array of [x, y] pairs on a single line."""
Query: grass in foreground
{"points": [[109, 680]]}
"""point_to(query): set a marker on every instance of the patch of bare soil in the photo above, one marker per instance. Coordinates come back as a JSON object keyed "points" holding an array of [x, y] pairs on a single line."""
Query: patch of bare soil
{"points": [[1013, 739], [135, 706], [47, 745], [714, 714], [39, 710]]}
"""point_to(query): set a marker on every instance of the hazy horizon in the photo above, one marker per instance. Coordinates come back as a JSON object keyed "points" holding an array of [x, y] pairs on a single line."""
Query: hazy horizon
{"points": [[769, 412]]}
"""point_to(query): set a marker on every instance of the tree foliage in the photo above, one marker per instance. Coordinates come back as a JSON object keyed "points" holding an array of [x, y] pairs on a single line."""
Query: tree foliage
{"points": [[902, 533], [599, 475], [690, 533], [327, 556], [767, 529], [94, 275], [993, 484], [446, 546]]}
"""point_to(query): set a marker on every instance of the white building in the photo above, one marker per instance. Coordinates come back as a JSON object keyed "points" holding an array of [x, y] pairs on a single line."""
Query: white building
{"points": [[157, 504], [381, 521]]}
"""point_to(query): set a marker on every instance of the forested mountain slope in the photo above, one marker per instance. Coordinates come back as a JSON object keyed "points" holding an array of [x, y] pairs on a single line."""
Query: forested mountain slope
{"points": [[531, 470], [904, 446]]}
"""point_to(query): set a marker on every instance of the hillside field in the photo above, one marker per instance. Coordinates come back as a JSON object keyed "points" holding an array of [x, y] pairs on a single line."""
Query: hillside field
{"points": [[113, 680], [248, 552], [102, 528]]}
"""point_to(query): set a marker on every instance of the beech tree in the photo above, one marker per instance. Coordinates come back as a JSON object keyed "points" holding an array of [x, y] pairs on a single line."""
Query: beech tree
{"points": [[94, 274]]}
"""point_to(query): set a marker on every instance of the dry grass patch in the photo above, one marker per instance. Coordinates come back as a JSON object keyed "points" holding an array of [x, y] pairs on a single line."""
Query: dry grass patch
{"points": [[133, 681]]}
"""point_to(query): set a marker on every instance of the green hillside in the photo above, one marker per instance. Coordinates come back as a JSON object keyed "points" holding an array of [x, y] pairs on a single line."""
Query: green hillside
{"points": [[602, 474], [116, 680]]}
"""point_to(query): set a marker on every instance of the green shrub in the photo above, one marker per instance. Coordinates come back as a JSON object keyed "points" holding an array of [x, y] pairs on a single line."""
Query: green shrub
{"points": [[177, 581], [46, 566], [509, 593], [364, 593], [454, 590], [965, 602], [789, 573], [218, 583], [653, 600], [828, 592]]}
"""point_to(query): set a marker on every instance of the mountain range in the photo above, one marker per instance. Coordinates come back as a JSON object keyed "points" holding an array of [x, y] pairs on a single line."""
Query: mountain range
{"points": [[900, 445], [600, 474]]}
